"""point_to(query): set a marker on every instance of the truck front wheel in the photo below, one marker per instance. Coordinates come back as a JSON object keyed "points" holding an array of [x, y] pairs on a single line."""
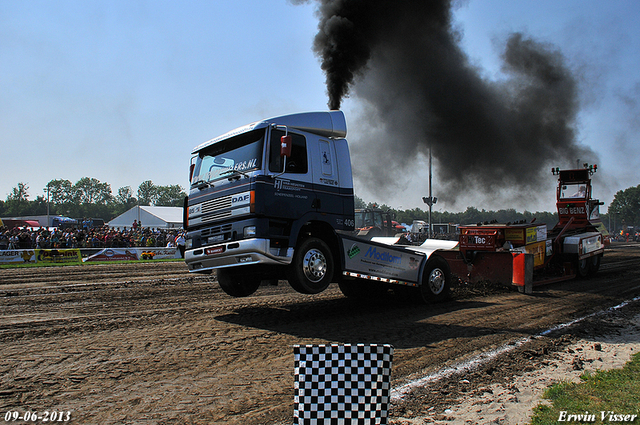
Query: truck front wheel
{"points": [[436, 283], [238, 282], [311, 269]]}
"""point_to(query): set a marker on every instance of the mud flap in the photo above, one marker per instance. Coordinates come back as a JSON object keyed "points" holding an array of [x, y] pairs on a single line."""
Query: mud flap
{"points": [[523, 272]]}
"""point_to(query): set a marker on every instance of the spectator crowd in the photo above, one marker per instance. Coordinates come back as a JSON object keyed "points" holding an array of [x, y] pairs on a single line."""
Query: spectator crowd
{"points": [[101, 237], [626, 237]]}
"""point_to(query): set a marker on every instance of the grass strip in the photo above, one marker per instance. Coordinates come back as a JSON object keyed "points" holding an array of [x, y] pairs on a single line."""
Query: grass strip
{"points": [[603, 397]]}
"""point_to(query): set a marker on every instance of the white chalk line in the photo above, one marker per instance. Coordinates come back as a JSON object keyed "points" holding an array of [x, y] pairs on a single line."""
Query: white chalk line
{"points": [[472, 364]]}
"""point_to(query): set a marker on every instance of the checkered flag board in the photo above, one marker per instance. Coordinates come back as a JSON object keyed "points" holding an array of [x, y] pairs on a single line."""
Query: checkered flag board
{"points": [[342, 383]]}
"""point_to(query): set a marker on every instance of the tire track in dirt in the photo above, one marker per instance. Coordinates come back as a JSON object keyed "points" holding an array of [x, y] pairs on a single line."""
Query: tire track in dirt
{"points": [[88, 273]]}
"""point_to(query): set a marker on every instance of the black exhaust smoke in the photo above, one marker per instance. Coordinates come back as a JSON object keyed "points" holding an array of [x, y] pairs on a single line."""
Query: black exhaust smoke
{"points": [[403, 61]]}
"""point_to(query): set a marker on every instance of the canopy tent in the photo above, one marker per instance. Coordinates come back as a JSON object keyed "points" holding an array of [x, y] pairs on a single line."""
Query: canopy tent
{"points": [[154, 217]]}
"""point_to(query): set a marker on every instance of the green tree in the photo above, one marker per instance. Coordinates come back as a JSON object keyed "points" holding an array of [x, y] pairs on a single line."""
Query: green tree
{"points": [[124, 200], [19, 193], [125, 196], [17, 203], [626, 205], [471, 215], [92, 191], [169, 196], [147, 193], [407, 216], [38, 206], [60, 191], [161, 196]]}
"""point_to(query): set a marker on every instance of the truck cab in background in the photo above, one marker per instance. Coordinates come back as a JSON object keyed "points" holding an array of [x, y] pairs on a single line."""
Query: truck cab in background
{"points": [[579, 233], [266, 201], [374, 222]]}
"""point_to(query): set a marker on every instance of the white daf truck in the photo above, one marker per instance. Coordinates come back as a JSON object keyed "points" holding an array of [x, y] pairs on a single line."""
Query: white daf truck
{"points": [[274, 200]]}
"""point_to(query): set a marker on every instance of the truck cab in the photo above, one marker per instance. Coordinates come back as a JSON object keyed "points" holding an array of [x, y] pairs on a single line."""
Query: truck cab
{"points": [[579, 233], [374, 222], [577, 209], [261, 192]]}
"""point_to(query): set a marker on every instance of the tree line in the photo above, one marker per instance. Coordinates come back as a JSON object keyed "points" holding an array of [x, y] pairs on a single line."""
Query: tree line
{"points": [[471, 215], [88, 197], [623, 211]]}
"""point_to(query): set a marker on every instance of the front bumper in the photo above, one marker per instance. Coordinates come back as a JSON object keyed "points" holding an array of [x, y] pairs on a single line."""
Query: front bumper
{"points": [[236, 253]]}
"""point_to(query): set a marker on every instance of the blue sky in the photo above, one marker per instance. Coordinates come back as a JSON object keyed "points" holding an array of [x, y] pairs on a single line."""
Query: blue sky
{"points": [[121, 91]]}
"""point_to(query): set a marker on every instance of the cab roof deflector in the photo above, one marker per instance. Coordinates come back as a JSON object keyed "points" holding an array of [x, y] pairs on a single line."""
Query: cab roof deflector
{"points": [[331, 124]]}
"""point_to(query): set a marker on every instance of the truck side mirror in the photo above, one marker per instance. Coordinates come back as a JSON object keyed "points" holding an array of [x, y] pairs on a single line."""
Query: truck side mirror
{"points": [[285, 146]]}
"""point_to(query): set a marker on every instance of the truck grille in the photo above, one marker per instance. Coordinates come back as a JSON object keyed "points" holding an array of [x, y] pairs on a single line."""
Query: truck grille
{"points": [[216, 204], [216, 230], [218, 216], [221, 208]]}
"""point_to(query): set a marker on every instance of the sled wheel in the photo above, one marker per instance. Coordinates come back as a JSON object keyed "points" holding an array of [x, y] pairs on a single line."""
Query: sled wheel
{"points": [[436, 282], [238, 282], [583, 268], [311, 269], [594, 264]]}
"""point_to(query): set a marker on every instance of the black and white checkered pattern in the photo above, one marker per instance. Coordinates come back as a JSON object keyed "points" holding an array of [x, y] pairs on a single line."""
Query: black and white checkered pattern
{"points": [[342, 384]]}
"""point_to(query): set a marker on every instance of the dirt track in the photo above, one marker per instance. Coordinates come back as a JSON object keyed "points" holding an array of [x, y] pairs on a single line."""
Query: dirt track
{"points": [[150, 343]]}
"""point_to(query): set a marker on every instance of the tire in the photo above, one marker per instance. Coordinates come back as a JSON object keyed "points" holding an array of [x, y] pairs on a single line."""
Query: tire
{"points": [[582, 267], [594, 264], [436, 282], [312, 266], [238, 282]]}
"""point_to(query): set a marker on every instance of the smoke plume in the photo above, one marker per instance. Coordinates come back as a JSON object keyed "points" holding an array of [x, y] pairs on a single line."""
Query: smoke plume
{"points": [[403, 62]]}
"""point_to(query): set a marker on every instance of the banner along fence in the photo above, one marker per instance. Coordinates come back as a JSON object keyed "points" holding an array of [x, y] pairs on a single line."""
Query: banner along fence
{"points": [[74, 255]]}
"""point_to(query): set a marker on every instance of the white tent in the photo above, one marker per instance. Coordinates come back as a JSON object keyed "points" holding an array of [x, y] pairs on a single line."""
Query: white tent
{"points": [[154, 217]]}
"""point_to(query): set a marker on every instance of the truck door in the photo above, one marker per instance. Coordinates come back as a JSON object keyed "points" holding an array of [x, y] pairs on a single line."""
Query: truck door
{"points": [[291, 192], [326, 179]]}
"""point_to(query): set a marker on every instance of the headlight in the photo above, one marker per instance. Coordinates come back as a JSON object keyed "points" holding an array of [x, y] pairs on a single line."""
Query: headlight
{"points": [[249, 231], [188, 243]]}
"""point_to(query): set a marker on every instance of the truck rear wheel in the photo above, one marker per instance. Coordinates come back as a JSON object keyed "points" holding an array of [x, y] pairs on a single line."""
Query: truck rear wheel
{"points": [[436, 282], [238, 282], [311, 269]]}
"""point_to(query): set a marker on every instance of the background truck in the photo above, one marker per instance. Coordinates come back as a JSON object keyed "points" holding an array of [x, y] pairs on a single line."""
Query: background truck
{"points": [[572, 248], [374, 222], [274, 200]]}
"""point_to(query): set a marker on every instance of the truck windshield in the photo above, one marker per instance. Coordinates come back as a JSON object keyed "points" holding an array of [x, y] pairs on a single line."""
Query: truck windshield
{"points": [[242, 153], [573, 191], [367, 219]]}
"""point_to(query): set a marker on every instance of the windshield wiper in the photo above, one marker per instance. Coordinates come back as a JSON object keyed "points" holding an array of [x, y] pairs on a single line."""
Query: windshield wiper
{"points": [[201, 184], [233, 172]]}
